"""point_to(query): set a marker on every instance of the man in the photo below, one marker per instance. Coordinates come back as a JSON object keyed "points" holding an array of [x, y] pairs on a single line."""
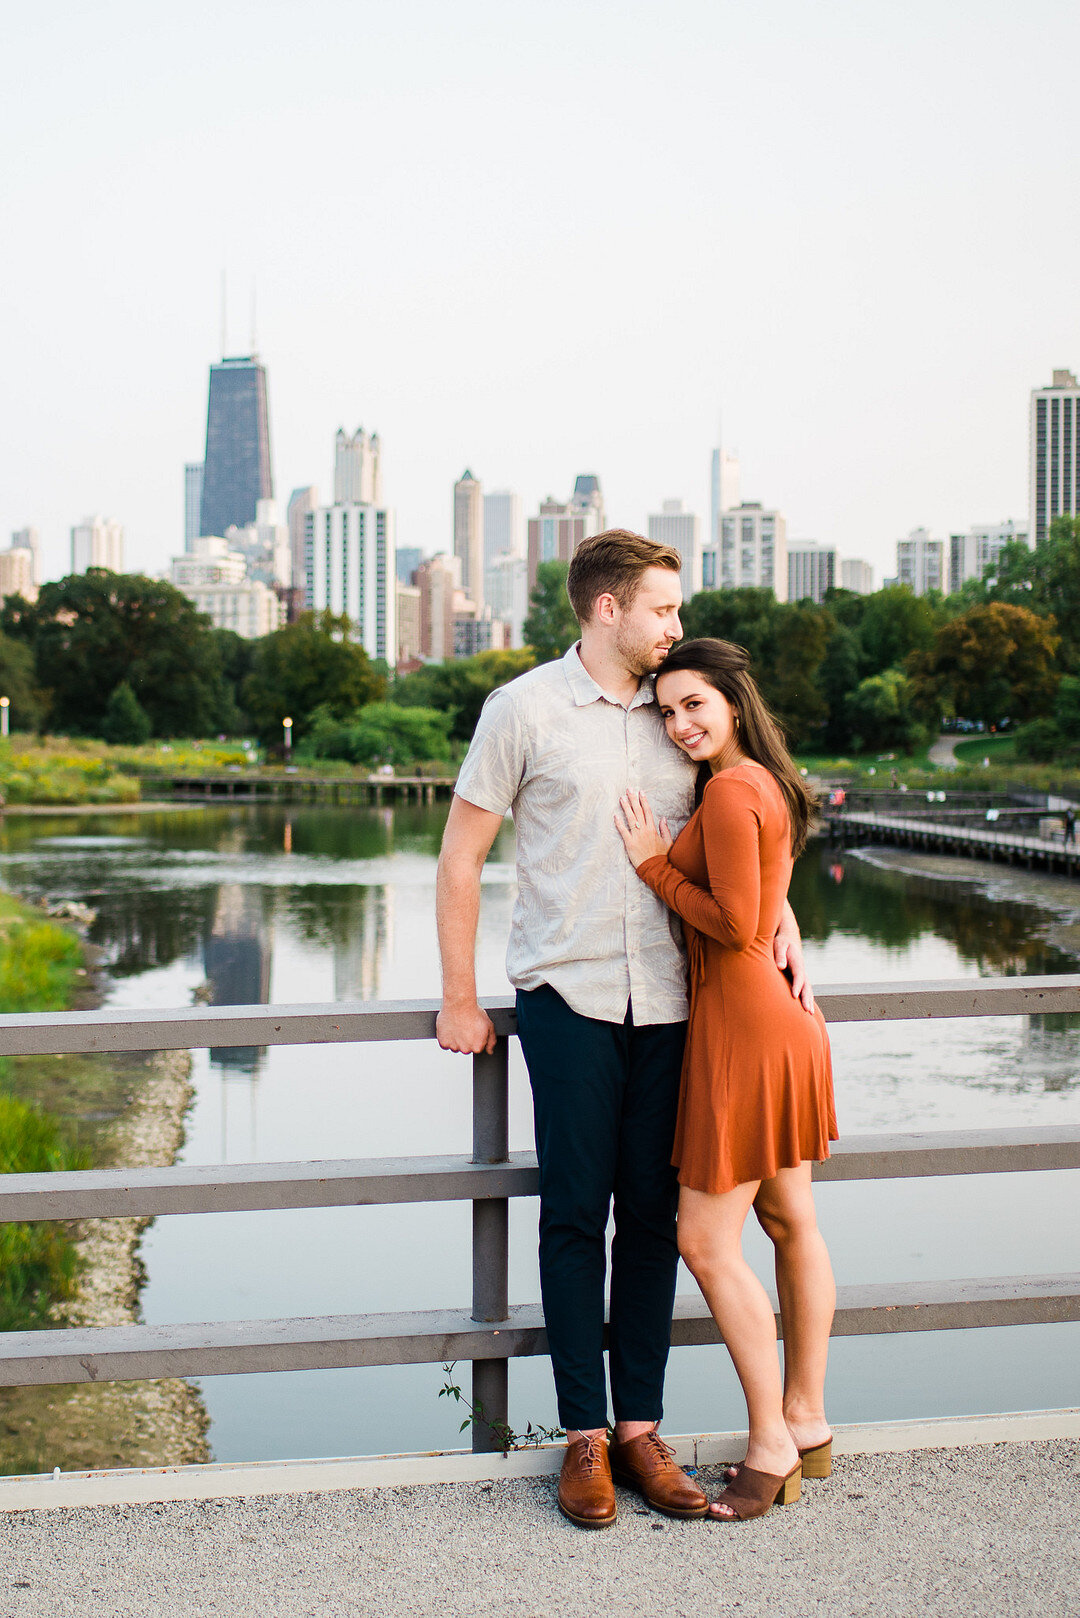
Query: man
{"points": [[601, 1001]]}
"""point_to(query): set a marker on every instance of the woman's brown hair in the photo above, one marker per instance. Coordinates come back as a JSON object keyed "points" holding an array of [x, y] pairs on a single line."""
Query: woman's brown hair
{"points": [[726, 667]]}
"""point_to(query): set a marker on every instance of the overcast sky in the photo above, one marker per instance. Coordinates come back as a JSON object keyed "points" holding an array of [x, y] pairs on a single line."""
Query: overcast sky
{"points": [[540, 239]]}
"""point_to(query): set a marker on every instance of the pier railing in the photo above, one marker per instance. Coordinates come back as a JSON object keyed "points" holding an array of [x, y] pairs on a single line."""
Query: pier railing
{"points": [[490, 1331]]}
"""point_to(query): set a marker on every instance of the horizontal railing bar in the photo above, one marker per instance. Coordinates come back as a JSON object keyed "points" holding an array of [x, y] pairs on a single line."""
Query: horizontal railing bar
{"points": [[349, 1182], [333, 1342], [194, 1027], [243, 1187]]}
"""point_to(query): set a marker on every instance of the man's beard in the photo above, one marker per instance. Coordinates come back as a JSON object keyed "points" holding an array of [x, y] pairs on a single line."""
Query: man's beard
{"points": [[639, 656]]}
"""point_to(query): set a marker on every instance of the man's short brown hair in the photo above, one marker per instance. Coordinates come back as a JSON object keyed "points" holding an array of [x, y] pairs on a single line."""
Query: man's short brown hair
{"points": [[612, 563]]}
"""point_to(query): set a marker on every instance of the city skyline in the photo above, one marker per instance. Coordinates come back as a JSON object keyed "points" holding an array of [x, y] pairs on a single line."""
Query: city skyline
{"points": [[873, 365]]}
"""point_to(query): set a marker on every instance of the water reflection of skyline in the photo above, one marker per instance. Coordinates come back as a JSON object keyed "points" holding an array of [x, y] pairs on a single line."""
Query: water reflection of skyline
{"points": [[237, 957]]}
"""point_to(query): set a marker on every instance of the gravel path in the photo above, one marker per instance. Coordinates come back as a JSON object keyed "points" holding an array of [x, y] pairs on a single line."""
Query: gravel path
{"points": [[989, 1530]]}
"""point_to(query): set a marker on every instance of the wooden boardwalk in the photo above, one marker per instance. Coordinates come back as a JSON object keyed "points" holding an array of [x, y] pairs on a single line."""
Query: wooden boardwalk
{"points": [[287, 786], [978, 842]]}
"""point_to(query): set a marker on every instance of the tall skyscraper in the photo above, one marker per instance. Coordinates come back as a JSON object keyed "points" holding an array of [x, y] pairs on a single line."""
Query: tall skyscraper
{"points": [[97, 542], [671, 525], [1054, 481], [753, 550], [236, 468], [301, 501], [28, 539], [193, 481], [349, 568], [357, 478], [811, 570], [469, 535], [723, 496], [920, 562], [504, 526]]}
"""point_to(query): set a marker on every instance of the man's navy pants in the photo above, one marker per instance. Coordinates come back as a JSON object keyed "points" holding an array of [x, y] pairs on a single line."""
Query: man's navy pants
{"points": [[605, 1097]]}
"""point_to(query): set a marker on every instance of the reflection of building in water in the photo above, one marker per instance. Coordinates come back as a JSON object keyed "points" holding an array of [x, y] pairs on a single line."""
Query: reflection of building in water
{"points": [[237, 954], [1050, 1049], [362, 936]]}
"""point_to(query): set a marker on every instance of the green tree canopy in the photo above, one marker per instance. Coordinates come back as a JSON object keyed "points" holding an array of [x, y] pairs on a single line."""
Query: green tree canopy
{"points": [[18, 683], [313, 663], [894, 622], [551, 628], [126, 721], [880, 713], [381, 733], [1046, 580], [994, 662], [92, 631], [460, 686]]}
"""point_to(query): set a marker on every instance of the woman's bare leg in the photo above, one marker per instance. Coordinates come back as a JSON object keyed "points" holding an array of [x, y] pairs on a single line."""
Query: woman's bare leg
{"points": [[710, 1241], [804, 1283]]}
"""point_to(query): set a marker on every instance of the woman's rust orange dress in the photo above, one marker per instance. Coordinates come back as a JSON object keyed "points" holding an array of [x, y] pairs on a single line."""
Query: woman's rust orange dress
{"points": [[757, 1090]]}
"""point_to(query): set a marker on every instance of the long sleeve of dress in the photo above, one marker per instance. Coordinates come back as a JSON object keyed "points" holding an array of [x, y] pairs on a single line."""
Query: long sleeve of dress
{"points": [[731, 826]]}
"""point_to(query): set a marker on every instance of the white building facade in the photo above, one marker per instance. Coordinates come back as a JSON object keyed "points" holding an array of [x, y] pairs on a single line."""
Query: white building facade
{"points": [[1054, 454], [975, 554], [856, 576], [97, 542], [920, 562], [357, 473], [193, 482], [811, 570], [753, 550], [214, 578], [17, 573], [264, 544], [680, 529], [469, 535], [349, 564]]}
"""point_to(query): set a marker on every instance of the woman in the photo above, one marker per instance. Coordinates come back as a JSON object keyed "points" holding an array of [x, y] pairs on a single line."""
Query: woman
{"points": [[756, 1105]]}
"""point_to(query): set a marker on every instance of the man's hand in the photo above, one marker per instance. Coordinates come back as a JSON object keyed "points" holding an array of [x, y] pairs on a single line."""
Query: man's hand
{"points": [[468, 1029], [788, 955]]}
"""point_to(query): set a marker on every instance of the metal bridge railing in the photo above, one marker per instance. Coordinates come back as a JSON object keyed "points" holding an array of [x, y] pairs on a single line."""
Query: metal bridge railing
{"points": [[491, 1331]]}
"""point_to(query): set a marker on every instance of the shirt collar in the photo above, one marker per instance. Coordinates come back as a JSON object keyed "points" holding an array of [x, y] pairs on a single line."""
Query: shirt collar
{"points": [[584, 689]]}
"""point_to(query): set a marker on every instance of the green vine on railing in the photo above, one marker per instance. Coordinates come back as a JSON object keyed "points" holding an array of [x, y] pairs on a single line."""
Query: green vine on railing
{"points": [[504, 1435]]}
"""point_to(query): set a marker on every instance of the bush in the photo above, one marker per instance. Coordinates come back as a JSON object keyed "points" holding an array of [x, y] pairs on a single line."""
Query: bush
{"points": [[380, 733], [37, 1262]]}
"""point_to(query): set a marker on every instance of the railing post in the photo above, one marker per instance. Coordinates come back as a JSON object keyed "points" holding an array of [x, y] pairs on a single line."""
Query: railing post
{"points": [[491, 1246]]}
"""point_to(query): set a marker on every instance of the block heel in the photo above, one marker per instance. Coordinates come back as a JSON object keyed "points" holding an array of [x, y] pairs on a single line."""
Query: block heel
{"points": [[817, 1462]]}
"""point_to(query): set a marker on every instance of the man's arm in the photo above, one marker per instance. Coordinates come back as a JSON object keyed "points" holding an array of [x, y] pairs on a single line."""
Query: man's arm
{"points": [[463, 1024], [788, 955]]}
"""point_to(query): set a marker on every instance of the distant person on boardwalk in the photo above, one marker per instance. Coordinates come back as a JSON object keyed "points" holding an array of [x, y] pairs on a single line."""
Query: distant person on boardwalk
{"points": [[1070, 825], [600, 973], [756, 1104]]}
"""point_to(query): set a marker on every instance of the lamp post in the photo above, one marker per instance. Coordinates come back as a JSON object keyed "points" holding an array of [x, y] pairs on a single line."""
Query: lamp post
{"points": [[286, 725], [5, 708]]}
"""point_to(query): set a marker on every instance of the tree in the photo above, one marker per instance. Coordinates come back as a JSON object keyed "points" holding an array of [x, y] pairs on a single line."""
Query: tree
{"points": [[746, 616], [312, 663], [551, 628], [126, 721], [18, 683], [837, 678], [994, 662], [381, 733], [1046, 580], [880, 713], [92, 631], [460, 686], [893, 624]]}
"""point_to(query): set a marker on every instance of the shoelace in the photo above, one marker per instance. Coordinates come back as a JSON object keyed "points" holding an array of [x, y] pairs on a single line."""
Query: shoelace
{"points": [[593, 1458], [665, 1451]]}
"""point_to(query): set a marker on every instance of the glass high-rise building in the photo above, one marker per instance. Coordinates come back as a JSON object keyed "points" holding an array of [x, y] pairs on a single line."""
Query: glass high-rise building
{"points": [[236, 468], [1054, 489]]}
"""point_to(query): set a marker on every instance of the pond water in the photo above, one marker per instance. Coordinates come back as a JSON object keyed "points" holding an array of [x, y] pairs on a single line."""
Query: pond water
{"points": [[310, 904]]}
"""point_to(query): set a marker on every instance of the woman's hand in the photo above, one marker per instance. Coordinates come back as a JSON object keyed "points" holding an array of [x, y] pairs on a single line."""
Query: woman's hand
{"points": [[641, 836]]}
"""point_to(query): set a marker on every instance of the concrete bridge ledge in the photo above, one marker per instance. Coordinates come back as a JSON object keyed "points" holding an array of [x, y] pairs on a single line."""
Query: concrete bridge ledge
{"points": [[252, 1479]]}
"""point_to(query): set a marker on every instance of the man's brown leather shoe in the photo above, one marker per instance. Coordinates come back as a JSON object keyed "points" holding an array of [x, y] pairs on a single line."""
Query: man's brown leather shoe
{"points": [[648, 1465], [586, 1492]]}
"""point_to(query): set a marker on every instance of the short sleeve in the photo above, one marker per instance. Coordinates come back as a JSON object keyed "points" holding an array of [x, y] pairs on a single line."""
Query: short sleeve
{"points": [[495, 763]]}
